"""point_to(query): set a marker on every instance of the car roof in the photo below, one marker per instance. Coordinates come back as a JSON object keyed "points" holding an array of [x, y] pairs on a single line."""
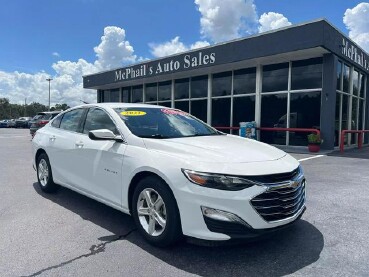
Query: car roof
{"points": [[51, 112], [122, 105]]}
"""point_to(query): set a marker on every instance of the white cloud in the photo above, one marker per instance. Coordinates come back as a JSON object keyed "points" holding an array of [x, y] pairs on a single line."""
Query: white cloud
{"points": [[224, 20], [66, 86], [357, 22], [173, 46], [114, 51], [220, 20], [199, 44], [271, 21], [55, 54]]}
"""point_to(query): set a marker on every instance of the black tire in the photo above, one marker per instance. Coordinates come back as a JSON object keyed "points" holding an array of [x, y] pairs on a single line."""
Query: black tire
{"points": [[46, 185], [172, 232]]}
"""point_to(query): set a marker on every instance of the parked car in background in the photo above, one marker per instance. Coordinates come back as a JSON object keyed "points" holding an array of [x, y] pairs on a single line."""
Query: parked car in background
{"points": [[40, 120], [11, 123], [4, 123], [22, 122]]}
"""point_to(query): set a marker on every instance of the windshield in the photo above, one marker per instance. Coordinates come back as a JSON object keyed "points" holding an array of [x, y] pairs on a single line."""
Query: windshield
{"points": [[163, 123]]}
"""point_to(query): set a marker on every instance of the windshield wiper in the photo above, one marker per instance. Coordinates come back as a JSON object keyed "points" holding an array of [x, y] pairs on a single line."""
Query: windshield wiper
{"points": [[205, 135], [155, 136]]}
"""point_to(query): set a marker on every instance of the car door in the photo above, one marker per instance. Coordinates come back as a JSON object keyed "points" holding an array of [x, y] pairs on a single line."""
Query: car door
{"points": [[100, 161], [63, 135]]}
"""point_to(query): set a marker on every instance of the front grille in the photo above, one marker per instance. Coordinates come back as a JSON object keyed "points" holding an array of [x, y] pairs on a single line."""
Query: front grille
{"points": [[274, 178], [280, 202]]}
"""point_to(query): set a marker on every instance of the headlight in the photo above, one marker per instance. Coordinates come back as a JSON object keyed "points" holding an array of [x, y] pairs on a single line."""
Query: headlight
{"points": [[217, 181]]}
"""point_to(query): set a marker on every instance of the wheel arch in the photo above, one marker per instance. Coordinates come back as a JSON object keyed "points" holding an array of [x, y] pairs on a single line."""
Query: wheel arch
{"points": [[137, 178], [38, 153]]}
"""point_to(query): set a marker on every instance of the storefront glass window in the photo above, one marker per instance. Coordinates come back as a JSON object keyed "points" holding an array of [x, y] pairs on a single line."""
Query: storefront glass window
{"points": [[306, 74], [199, 109], [182, 88], [361, 109], [274, 114], [354, 118], [345, 113], [346, 78], [182, 105], [106, 94], [244, 81], [362, 85], [339, 75], [275, 77], [125, 94], [355, 82], [165, 91], [166, 104], [114, 95], [199, 86], [221, 112], [304, 113], [222, 84], [137, 94], [99, 96], [243, 110], [151, 92]]}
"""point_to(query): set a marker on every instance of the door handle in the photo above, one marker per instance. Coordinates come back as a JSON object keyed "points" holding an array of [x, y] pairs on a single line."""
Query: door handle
{"points": [[79, 144], [52, 138]]}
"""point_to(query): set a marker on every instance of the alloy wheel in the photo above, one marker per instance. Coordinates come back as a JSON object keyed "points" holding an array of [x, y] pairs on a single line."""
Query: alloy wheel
{"points": [[151, 212], [43, 172]]}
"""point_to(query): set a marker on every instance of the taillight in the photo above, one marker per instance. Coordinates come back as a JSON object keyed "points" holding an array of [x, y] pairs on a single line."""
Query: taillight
{"points": [[43, 122]]}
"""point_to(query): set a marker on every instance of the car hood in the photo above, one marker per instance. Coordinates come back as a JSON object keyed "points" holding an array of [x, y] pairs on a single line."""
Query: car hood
{"points": [[222, 148]]}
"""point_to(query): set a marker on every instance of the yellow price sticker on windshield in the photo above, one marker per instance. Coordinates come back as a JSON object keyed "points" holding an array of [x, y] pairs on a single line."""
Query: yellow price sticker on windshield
{"points": [[133, 113]]}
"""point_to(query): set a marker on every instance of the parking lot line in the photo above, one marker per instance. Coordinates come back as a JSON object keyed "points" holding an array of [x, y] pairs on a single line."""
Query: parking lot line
{"points": [[310, 158]]}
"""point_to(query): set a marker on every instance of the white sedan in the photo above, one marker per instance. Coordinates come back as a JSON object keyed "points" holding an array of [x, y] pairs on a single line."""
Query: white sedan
{"points": [[173, 173]]}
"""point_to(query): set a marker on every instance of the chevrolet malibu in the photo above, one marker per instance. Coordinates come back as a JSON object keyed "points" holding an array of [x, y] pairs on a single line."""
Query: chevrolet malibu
{"points": [[175, 175]]}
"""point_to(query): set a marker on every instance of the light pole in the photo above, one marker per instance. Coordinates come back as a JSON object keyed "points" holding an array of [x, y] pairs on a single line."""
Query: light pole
{"points": [[49, 80]]}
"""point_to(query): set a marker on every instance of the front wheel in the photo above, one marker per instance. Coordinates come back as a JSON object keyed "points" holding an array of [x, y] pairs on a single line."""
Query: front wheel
{"points": [[155, 212], [44, 174]]}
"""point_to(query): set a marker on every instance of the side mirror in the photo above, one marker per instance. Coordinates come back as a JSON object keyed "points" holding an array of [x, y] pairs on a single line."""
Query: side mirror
{"points": [[104, 134]]}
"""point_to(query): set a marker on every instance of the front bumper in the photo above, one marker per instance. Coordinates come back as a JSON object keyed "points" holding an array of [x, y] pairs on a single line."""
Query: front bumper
{"points": [[239, 203], [242, 231]]}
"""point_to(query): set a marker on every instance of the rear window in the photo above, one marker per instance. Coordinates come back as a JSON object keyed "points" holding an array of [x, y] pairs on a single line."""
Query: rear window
{"points": [[45, 117]]}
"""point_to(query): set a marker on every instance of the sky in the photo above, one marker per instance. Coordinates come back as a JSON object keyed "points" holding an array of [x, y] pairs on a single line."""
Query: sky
{"points": [[67, 39]]}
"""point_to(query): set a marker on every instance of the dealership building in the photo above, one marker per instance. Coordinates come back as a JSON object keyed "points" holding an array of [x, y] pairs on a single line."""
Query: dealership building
{"points": [[303, 76]]}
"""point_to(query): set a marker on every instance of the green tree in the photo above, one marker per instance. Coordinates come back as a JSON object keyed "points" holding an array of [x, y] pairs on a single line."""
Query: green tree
{"points": [[59, 107]]}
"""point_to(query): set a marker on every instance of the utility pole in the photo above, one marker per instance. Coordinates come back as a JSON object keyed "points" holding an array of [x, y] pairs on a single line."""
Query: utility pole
{"points": [[49, 80], [25, 106]]}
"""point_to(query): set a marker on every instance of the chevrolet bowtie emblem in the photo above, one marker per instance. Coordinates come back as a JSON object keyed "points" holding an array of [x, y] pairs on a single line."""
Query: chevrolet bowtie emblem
{"points": [[294, 184]]}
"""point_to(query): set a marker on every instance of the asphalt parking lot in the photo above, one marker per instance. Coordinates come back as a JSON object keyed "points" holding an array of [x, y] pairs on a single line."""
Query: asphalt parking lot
{"points": [[66, 234]]}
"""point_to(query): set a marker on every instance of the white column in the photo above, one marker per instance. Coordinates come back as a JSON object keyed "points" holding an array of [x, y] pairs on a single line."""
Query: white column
{"points": [[172, 94], [258, 88], [209, 119]]}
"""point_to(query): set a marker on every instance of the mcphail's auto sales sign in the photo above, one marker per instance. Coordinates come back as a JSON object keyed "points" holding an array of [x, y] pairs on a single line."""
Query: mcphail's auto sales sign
{"points": [[354, 54], [188, 61]]}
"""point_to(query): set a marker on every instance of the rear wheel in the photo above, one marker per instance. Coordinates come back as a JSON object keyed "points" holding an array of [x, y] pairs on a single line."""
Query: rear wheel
{"points": [[155, 212], [44, 174]]}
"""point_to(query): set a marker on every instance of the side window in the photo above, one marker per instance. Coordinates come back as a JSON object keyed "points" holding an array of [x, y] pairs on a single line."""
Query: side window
{"points": [[98, 119], [56, 121], [70, 120]]}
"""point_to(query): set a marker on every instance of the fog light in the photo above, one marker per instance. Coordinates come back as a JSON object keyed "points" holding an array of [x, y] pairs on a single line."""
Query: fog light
{"points": [[222, 215]]}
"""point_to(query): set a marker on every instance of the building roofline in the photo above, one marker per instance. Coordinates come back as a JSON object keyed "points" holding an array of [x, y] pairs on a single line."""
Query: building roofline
{"points": [[227, 42]]}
